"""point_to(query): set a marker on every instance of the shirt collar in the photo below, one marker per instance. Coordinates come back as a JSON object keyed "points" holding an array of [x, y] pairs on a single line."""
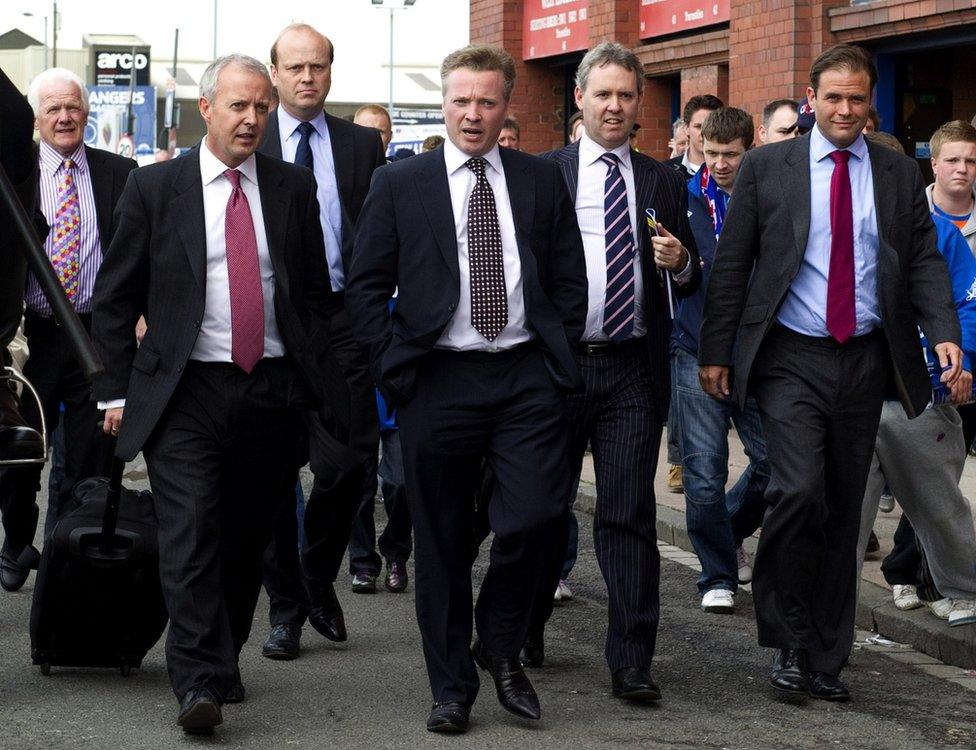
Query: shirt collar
{"points": [[50, 159], [211, 167], [686, 163], [288, 124], [820, 147], [591, 151], [455, 158]]}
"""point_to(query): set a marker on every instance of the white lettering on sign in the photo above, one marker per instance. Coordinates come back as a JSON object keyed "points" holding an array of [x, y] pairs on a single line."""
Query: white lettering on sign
{"points": [[694, 15], [123, 60], [115, 97]]}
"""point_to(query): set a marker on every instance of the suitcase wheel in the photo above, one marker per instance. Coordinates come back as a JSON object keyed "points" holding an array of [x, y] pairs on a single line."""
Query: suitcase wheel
{"points": [[126, 670], [45, 668]]}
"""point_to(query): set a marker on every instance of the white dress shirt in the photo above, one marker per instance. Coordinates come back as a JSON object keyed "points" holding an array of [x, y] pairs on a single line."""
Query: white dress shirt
{"points": [[459, 334], [213, 342], [590, 189], [323, 167]]}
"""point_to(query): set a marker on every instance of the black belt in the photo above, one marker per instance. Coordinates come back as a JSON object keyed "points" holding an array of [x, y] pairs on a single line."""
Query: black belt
{"points": [[827, 342], [605, 348]]}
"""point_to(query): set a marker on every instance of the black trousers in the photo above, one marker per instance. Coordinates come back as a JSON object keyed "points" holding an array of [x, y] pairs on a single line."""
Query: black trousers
{"points": [[58, 379], [343, 463], [470, 407], [615, 415], [220, 460], [820, 404]]}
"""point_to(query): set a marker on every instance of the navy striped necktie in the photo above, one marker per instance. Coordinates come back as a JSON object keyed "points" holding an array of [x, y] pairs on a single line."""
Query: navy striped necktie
{"points": [[618, 306]]}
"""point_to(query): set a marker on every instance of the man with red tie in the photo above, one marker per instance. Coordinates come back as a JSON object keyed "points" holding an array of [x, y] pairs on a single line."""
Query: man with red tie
{"points": [[222, 251], [826, 265]]}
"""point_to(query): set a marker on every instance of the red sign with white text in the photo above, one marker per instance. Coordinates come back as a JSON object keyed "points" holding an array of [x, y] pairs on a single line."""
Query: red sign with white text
{"points": [[660, 17], [553, 27]]}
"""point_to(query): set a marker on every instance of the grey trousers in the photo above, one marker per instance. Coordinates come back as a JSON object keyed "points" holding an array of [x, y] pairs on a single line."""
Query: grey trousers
{"points": [[921, 460]]}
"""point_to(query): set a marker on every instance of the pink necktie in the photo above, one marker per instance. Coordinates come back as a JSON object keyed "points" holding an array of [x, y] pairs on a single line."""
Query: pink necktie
{"points": [[66, 247], [840, 277], [244, 277]]}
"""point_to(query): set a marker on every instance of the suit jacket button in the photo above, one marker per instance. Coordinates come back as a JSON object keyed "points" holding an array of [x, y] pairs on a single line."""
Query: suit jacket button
{"points": [[179, 368], [450, 308], [196, 323]]}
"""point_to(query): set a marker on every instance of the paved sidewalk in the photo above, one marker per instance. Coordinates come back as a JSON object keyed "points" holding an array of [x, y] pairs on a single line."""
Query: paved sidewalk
{"points": [[922, 630]]}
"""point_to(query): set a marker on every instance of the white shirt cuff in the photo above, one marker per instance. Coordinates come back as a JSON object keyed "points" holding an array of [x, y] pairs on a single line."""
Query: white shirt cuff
{"points": [[684, 275], [115, 403]]}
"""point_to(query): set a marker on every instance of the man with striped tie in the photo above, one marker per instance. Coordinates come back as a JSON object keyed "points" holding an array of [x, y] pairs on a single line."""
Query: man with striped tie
{"points": [[77, 192], [623, 356]]}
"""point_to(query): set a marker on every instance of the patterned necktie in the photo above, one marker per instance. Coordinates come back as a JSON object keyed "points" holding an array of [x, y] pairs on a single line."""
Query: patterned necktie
{"points": [[303, 156], [489, 301], [244, 278], [618, 306], [66, 247], [841, 317]]}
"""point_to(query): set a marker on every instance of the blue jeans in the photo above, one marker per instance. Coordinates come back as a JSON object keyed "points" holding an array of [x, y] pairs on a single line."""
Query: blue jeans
{"points": [[717, 521]]}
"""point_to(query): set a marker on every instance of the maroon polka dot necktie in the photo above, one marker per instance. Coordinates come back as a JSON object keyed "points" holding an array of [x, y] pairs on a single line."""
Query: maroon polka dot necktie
{"points": [[489, 301]]}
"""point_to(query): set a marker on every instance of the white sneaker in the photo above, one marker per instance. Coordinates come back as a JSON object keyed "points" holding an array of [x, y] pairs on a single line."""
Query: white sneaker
{"points": [[558, 596], [564, 591], [718, 601], [887, 502], [941, 608], [963, 612], [905, 596], [745, 565]]}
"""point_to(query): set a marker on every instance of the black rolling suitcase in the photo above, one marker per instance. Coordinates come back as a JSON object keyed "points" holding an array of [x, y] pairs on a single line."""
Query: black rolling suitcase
{"points": [[97, 596]]}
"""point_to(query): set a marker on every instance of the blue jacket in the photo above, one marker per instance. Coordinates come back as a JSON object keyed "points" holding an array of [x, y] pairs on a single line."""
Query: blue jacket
{"points": [[688, 319], [962, 274]]}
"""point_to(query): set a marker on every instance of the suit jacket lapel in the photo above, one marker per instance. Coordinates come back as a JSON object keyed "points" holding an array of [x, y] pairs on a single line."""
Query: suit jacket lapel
{"points": [[187, 205], [796, 186], [645, 185], [880, 174], [101, 182], [271, 143], [521, 195], [344, 158], [274, 209], [435, 196], [568, 160]]}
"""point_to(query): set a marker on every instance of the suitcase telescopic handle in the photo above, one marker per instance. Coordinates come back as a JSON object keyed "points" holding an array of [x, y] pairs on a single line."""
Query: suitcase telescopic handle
{"points": [[111, 517]]}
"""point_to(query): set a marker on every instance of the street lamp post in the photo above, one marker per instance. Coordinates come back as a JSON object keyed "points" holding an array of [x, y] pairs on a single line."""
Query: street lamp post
{"points": [[32, 15], [54, 35], [393, 5]]}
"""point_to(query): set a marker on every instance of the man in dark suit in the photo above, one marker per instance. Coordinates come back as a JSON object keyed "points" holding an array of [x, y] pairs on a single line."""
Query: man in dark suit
{"points": [[77, 190], [483, 245], [696, 110], [222, 251], [342, 156], [826, 266], [633, 278]]}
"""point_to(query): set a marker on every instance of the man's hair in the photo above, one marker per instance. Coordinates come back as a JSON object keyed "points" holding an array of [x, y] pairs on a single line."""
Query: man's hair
{"points": [[576, 117], [208, 81], [512, 124], [300, 27], [726, 124], [679, 123], [952, 131], [847, 57], [373, 109], [480, 57], [610, 53], [886, 139], [431, 142], [773, 107], [874, 117], [54, 75], [702, 101]]}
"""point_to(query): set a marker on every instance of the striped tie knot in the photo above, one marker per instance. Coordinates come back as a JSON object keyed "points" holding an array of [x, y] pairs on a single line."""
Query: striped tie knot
{"points": [[611, 160]]}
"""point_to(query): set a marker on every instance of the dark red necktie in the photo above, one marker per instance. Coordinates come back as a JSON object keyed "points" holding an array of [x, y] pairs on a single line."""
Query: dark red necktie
{"points": [[840, 278], [244, 279]]}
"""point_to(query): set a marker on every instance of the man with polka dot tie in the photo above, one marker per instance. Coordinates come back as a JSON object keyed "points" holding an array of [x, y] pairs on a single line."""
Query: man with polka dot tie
{"points": [[484, 248]]}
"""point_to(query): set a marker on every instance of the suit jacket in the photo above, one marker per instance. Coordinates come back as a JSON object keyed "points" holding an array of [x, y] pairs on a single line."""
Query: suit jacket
{"points": [[678, 165], [356, 153], [157, 266], [660, 188], [406, 240], [109, 173], [763, 242]]}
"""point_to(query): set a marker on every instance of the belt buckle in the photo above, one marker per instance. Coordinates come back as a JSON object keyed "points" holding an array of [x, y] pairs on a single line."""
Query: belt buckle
{"points": [[596, 349]]}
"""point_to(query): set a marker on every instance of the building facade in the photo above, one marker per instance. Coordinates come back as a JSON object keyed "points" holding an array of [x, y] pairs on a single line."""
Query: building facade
{"points": [[747, 52]]}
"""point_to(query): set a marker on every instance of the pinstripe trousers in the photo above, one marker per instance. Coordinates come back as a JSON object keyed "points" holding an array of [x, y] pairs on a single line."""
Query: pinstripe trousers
{"points": [[615, 414]]}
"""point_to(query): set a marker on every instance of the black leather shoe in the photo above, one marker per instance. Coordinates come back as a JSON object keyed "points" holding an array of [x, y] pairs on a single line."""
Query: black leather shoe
{"points": [[449, 717], [283, 642], [199, 712], [17, 440], [789, 674], [827, 687], [327, 617], [514, 690], [236, 693], [533, 653], [635, 684], [15, 568]]}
